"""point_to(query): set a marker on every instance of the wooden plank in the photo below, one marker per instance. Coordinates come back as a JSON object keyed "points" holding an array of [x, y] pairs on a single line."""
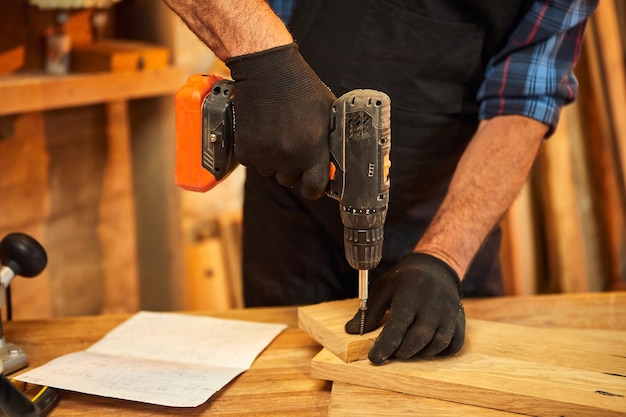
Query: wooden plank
{"points": [[230, 236], [157, 205], [207, 286], [277, 385], [606, 27], [349, 400], [26, 202], [502, 366], [78, 157], [324, 322], [561, 185], [26, 93], [581, 311], [518, 253], [213, 263], [597, 278], [116, 225], [604, 156], [72, 189], [118, 56], [496, 382], [595, 310]]}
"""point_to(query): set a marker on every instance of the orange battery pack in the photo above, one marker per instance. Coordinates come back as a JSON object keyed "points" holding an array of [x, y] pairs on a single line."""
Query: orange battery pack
{"points": [[190, 173]]}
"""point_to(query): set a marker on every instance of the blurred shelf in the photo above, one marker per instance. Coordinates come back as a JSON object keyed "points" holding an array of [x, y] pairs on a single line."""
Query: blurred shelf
{"points": [[37, 92]]}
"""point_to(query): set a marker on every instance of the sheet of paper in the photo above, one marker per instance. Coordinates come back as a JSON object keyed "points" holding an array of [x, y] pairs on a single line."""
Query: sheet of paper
{"points": [[168, 359]]}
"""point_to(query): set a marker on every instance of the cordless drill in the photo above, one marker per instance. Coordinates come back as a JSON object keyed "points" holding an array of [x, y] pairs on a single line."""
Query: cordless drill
{"points": [[359, 142]]}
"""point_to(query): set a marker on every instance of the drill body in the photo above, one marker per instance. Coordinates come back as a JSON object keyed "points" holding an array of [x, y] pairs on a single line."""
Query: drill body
{"points": [[359, 142]]}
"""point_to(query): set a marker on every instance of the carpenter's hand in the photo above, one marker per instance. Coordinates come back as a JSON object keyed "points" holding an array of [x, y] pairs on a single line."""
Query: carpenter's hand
{"points": [[426, 317], [282, 113]]}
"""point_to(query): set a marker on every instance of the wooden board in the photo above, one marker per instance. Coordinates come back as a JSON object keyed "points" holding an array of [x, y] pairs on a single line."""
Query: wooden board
{"points": [[325, 322], [571, 247], [492, 382], [599, 87], [349, 400], [206, 279], [593, 310], [28, 93], [67, 178], [117, 216], [519, 252], [605, 25], [502, 366], [277, 385], [119, 56]]}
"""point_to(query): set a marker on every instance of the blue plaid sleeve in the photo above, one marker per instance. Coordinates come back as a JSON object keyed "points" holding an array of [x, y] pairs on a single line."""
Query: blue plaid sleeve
{"points": [[283, 8], [533, 75]]}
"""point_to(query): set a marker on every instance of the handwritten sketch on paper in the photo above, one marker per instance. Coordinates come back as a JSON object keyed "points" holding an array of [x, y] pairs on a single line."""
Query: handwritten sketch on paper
{"points": [[168, 359]]}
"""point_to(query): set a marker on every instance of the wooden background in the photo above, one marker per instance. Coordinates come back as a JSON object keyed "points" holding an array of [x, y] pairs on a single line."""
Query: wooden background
{"points": [[94, 183]]}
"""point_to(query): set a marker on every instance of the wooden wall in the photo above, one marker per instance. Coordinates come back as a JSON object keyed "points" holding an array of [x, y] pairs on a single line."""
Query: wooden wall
{"points": [[93, 183]]}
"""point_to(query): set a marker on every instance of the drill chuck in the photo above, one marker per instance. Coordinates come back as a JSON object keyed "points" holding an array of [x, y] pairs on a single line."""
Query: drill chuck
{"points": [[363, 237]]}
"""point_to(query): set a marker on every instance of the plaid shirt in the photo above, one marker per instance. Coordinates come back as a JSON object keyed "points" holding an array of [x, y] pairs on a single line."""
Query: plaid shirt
{"points": [[533, 74], [283, 8]]}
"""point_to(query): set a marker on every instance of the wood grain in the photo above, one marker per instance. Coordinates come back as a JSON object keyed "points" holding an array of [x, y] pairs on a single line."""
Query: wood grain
{"points": [[116, 226], [551, 371], [594, 310], [579, 311], [349, 400], [604, 155], [24, 209], [606, 27], [563, 189], [67, 181], [520, 386], [26, 93], [277, 384], [325, 322], [519, 251], [118, 56]]}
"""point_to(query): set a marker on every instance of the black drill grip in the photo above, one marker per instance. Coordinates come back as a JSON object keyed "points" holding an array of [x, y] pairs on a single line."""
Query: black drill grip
{"points": [[360, 142]]}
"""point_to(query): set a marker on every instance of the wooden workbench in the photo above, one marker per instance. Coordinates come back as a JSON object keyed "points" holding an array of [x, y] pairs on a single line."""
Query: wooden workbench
{"points": [[278, 384]]}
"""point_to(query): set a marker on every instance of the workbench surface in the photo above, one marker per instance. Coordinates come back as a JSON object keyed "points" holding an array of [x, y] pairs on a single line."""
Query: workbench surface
{"points": [[278, 383]]}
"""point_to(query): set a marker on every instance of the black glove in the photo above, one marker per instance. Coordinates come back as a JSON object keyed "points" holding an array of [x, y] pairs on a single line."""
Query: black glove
{"points": [[282, 117], [426, 317]]}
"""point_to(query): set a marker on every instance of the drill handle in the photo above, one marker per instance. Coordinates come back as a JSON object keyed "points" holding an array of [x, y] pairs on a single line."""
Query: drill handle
{"points": [[360, 143]]}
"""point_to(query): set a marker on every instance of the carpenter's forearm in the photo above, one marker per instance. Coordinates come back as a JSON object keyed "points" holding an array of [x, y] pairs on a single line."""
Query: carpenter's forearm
{"points": [[486, 182], [232, 27]]}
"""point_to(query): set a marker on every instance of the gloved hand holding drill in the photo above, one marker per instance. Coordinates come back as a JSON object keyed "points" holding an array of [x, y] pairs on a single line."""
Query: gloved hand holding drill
{"points": [[281, 115]]}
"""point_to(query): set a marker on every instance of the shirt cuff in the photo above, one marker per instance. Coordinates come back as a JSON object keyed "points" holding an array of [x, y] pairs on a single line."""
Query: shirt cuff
{"points": [[544, 109]]}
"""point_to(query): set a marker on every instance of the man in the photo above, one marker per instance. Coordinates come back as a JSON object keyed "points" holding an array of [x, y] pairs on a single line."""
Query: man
{"points": [[475, 85]]}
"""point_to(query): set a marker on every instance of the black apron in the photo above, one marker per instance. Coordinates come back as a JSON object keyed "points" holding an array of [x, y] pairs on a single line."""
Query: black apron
{"points": [[429, 56]]}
